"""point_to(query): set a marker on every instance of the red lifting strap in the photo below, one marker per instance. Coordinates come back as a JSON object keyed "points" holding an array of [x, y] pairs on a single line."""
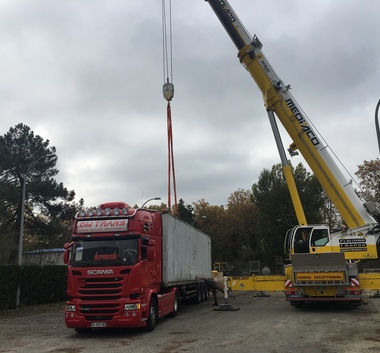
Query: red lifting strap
{"points": [[171, 170]]}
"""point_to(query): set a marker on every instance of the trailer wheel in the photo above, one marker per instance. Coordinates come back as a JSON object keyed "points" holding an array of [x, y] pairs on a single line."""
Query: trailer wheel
{"points": [[202, 290], [152, 316], [205, 291], [199, 296]]}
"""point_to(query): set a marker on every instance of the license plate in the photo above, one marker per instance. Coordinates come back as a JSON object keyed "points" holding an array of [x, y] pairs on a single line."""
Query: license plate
{"points": [[98, 324]]}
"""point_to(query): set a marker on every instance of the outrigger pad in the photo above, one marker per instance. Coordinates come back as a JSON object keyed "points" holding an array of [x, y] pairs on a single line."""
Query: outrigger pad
{"points": [[226, 307]]}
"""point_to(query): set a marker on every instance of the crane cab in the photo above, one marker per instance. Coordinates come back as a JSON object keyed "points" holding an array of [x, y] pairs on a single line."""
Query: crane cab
{"points": [[314, 239], [307, 239]]}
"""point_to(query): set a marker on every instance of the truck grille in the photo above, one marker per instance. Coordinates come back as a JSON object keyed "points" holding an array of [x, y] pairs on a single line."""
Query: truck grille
{"points": [[99, 309], [100, 290]]}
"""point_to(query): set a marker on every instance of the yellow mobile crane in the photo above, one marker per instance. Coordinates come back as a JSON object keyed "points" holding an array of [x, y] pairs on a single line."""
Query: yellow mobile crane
{"points": [[323, 264]]}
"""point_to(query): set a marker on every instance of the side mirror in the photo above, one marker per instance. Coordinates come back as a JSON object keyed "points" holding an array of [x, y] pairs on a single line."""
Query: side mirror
{"points": [[66, 256], [67, 252], [151, 251]]}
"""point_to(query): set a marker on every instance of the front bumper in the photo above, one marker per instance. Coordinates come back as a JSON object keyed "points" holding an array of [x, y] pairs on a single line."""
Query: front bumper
{"points": [[126, 319]]}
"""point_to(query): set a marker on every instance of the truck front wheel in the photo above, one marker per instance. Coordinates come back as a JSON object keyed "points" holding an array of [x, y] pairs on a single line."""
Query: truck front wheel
{"points": [[152, 316]]}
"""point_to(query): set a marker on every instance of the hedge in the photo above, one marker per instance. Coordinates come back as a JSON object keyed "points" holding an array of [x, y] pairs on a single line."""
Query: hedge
{"points": [[39, 284]]}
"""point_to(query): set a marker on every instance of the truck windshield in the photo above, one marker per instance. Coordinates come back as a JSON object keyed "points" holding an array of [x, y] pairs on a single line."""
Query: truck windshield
{"points": [[105, 252]]}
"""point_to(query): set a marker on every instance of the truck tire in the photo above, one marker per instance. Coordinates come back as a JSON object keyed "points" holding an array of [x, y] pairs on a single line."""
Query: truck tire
{"points": [[152, 316], [199, 295], [176, 305], [205, 290], [202, 290]]}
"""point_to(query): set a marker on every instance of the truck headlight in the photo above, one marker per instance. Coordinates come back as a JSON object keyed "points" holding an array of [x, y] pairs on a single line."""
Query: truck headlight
{"points": [[135, 306], [69, 307]]}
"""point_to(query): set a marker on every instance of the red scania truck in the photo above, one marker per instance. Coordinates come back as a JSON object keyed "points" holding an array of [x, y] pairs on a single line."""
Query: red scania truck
{"points": [[129, 267]]}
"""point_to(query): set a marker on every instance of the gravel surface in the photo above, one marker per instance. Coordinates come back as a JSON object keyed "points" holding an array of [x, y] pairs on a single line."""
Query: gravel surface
{"points": [[261, 325]]}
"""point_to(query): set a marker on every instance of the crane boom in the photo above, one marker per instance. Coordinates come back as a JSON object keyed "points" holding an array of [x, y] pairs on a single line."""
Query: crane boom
{"points": [[278, 99]]}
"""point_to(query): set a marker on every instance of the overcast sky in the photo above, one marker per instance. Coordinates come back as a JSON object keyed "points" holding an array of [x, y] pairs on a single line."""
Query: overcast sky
{"points": [[87, 75]]}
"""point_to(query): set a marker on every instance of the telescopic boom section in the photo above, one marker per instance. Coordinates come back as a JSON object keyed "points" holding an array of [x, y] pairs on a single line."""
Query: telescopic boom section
{"points": [[278, 99], [231, 23]]}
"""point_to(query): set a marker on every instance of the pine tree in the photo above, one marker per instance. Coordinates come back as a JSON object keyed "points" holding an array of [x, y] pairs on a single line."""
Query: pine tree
{"points": [[28, 160]]}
